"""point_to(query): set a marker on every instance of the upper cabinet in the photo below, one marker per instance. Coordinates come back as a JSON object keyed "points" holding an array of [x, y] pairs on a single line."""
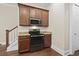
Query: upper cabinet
{"points": [[32, 12], [45, 18], [27, 12], [23, 15], [38, 13], [35, 13]]}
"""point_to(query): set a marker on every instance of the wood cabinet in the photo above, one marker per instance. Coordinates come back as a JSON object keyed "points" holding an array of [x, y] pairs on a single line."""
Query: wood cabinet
{"points": [[47, 40], [44, 19], [23, 15], [23, 44], [35, 13], [27, 12], [38, 13], [32, 12]]}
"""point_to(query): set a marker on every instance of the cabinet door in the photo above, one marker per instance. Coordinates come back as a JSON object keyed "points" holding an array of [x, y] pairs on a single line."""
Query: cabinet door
{"points": [[23, 44], [32, 12], [23, 15], [35, 13], [44, 18], [47, 40], [38, 14]]}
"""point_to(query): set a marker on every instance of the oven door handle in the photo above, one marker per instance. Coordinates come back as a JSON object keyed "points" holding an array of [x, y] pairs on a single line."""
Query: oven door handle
{"points": [[37, 35]]}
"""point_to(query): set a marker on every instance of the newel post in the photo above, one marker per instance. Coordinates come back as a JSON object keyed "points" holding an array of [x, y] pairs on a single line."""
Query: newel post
{"points": [[7, 38]]}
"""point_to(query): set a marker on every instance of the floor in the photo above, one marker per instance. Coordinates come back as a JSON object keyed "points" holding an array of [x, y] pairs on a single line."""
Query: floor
{"points": [[2, 50], [44, 52]]}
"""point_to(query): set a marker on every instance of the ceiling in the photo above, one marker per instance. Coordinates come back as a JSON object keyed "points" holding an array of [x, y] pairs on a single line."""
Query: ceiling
{"points": [[40, 4]]}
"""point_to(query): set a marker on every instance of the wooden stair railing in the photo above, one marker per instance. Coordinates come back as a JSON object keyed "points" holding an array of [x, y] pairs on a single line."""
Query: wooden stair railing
{"points": [[7, 35], [7, 38]]}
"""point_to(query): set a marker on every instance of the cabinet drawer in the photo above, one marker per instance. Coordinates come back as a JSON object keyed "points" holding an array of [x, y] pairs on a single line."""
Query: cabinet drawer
{"points": [[24, 37]]}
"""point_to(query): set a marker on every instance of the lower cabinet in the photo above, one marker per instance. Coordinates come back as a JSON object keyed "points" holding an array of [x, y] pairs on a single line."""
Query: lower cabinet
{"points": [[24, 44], [47, 40]]}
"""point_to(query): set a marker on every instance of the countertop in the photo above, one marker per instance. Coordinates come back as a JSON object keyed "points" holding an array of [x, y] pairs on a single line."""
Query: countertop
{"points": [[23, 33], [46, 32], [26, 33]]}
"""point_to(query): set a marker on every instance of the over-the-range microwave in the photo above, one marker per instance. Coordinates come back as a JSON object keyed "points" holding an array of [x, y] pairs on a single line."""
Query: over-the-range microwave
{"points": [[34, 21]]}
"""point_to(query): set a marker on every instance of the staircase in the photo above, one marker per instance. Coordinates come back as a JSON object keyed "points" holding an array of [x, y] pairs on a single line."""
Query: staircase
{"points": [[12, 39]]}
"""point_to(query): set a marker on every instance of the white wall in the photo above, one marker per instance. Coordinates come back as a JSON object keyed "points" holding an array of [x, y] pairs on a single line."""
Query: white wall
{"points": [[74, 28], [8, 19], [59, 19], [57, 22], [67, 26]]}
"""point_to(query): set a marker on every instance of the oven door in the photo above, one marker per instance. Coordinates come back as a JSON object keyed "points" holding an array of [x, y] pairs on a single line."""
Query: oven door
{"points": [[36, 42]]}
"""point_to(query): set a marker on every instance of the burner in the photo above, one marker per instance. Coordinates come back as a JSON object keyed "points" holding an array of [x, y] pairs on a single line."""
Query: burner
{"points": [[34, 32]]}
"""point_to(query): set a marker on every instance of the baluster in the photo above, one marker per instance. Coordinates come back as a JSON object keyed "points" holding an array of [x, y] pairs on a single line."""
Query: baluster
{"points": [[11, 36]]}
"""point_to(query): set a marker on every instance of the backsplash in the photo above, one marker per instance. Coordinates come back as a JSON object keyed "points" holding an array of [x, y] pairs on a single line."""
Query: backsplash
{"points": [[26, 29]]}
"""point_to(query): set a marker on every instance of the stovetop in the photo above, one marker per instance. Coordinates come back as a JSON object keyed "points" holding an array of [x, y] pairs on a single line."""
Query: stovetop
{"points": [[34, 32]]}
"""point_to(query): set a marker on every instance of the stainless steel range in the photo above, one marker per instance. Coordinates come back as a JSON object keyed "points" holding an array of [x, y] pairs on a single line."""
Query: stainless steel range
{"points": [[36, 40]]}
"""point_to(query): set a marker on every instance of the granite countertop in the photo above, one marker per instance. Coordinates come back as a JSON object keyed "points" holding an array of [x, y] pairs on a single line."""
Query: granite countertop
{"points": [[26, 33], [23, 33], [45, 32]]}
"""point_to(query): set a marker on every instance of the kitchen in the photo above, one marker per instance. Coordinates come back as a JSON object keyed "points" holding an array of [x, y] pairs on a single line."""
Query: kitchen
{"points": [[44, 20], [36, 17]]}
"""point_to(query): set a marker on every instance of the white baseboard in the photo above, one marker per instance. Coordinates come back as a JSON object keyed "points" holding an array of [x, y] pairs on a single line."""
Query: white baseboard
{"points": [[58, 50], [66, 53], [62, 52]]}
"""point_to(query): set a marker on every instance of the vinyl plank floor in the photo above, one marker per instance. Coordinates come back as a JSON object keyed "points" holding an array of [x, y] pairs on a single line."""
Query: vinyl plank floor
{"points": [[43, 52]]}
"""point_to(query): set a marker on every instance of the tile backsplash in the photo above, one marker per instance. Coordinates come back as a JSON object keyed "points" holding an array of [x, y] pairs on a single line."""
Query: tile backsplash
{"points": [[26, 29]]}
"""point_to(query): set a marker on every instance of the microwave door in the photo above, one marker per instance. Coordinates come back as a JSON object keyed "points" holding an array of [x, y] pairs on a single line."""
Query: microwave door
{"points": [[35, 22]]}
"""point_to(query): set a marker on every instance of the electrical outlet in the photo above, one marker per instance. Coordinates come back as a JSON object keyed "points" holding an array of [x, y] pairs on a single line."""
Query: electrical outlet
{"points": [[75, 34]]}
